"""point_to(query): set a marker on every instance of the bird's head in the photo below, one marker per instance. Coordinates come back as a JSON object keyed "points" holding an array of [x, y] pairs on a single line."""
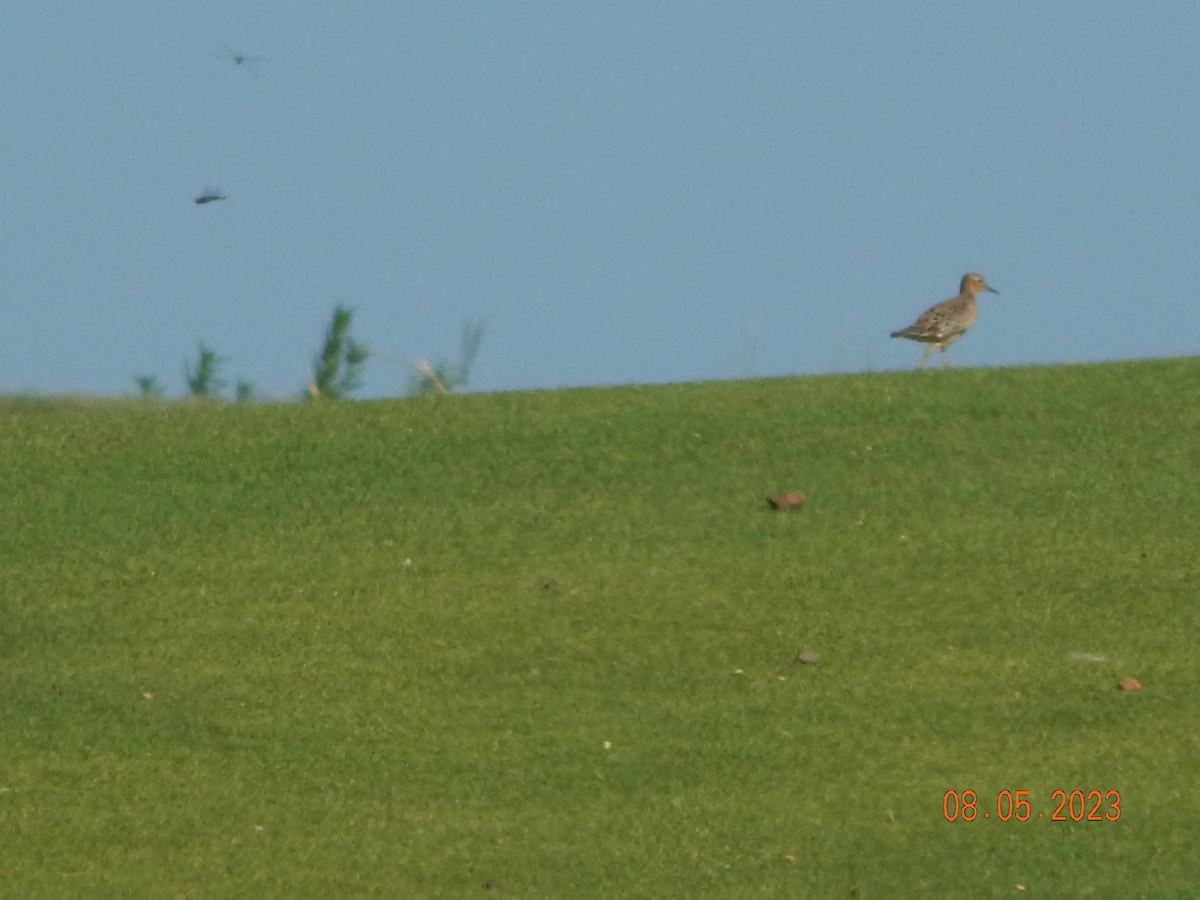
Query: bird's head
{"points": [[973, 284]]}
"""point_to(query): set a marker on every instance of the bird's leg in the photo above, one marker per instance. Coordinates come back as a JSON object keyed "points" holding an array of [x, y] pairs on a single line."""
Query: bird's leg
{"points": [[925, 355], [945, 359]]}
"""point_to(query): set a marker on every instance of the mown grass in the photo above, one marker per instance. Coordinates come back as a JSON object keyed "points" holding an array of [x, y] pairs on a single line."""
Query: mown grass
{"points": [[546, 640]]}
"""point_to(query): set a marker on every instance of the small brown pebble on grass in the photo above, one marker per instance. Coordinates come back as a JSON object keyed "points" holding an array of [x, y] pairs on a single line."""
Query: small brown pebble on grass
{"points": [[492, 884], [808, 658], [1129, 684], [794, 500]]}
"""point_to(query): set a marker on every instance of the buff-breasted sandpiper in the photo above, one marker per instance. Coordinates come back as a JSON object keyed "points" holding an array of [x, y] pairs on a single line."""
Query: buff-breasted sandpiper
{"points": [[944, 323]]}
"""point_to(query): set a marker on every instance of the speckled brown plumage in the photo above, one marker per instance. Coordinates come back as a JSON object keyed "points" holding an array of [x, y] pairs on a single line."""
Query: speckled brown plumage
{"points": [[945, 322]]}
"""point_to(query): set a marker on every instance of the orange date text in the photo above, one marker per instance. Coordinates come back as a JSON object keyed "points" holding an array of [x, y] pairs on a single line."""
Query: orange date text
{"points": [[1064, 806]]}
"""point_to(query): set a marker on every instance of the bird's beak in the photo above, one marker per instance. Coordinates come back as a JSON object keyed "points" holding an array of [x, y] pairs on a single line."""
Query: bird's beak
{"points": [[993, 290]]}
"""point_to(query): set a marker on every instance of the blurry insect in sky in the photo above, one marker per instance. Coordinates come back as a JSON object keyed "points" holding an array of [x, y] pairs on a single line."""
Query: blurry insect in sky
{"points": [[239, 59], [210, 195]]}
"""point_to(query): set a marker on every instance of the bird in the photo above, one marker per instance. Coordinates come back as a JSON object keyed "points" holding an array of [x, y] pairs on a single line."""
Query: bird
{"points": [[210, 195], [944, 323], [240, 59]]}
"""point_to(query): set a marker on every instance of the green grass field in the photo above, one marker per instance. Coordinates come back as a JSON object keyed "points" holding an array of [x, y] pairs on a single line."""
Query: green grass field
{"points": [[543, 644]]}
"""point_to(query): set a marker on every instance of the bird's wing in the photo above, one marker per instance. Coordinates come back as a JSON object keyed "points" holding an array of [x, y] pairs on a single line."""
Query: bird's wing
{"points": [[944, 319]]}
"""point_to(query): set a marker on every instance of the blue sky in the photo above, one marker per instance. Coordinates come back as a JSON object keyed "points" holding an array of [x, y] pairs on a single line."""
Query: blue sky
{"points": [[626, 192]]}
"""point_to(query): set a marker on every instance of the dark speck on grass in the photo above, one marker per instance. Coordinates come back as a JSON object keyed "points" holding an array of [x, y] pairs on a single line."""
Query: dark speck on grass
{"points": [[793, 500], [492, 884]]}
